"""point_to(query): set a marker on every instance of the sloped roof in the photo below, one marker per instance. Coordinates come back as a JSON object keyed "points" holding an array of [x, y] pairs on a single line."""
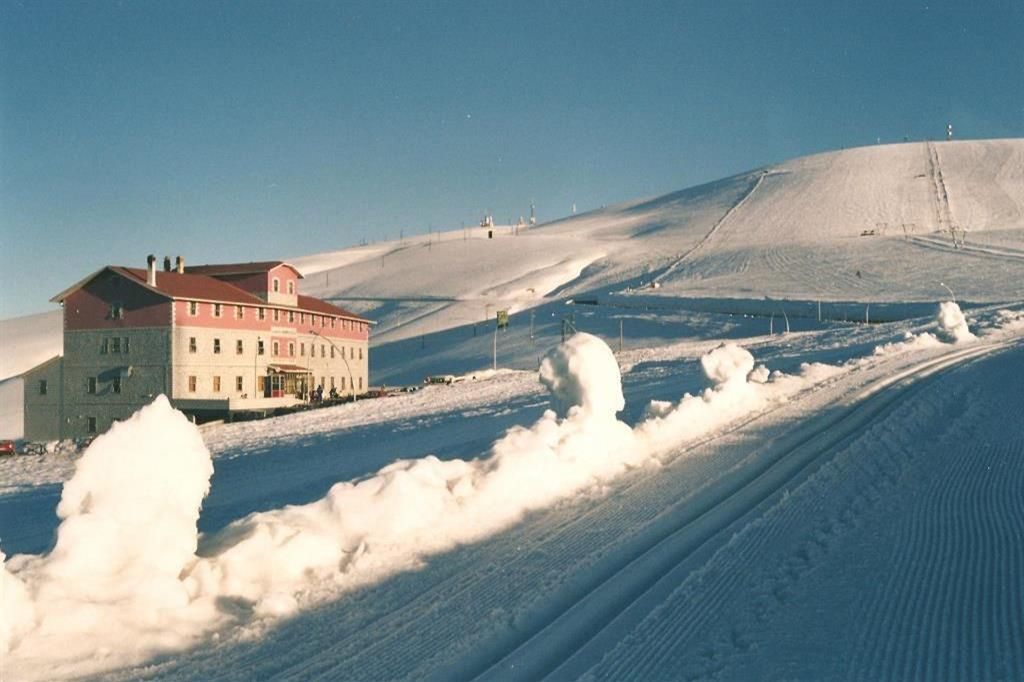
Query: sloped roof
{"points": [[192, 286], [237, 268], [203, 287], [318, 306]]}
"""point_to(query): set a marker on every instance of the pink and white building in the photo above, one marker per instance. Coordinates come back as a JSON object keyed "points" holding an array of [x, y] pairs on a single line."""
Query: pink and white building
{"points": [[218, 340]]}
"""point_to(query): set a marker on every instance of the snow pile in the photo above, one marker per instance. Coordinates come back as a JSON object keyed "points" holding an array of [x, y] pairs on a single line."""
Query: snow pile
{"points": [[125, 582], [371, 528], [951, 328], [727, 365], [597, 390], [737, 389], [128, 530], [952, 323]]}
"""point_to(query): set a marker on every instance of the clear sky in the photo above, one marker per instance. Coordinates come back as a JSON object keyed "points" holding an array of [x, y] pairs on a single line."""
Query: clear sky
{"points": [[236, 131]]}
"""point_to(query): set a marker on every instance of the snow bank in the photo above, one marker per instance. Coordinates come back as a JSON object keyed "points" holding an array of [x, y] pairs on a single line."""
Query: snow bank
{"points": [[126, 581], [128, 530]]}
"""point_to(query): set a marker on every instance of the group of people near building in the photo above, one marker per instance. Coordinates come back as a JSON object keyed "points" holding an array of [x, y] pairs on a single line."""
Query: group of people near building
{"points": [[317, 396]]}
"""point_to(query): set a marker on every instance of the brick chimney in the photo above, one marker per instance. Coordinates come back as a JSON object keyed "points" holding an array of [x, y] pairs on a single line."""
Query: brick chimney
{"points": [[180, 265]]}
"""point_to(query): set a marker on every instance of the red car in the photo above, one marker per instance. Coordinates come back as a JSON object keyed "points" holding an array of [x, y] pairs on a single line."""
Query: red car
{"points": [[6, 447]]}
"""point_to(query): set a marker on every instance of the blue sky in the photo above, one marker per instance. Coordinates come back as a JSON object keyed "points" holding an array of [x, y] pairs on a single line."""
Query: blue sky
{"points": [[233, 131]]}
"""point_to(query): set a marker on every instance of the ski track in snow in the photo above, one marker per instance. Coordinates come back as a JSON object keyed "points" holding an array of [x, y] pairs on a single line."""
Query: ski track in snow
{"points": [[948, 603]]}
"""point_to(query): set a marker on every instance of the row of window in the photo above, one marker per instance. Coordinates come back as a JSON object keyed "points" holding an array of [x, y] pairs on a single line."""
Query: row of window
{"points": [[193, 383], [217, 310], [193, 347]]}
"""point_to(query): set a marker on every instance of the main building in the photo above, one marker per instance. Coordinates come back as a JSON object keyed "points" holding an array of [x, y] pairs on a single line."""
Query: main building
{"points": [[217, 340]]}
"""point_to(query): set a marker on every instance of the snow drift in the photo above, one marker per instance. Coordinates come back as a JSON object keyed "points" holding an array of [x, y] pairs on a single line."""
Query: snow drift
{"points": [[129, 577]]}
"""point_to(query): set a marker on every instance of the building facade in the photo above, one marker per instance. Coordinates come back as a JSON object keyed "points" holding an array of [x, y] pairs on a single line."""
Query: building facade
{"points": [[217, 340]]}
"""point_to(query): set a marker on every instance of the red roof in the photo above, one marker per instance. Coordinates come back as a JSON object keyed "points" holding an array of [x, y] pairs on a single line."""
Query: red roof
{"points": [[203, 287], [193, 286], [318, 306]]}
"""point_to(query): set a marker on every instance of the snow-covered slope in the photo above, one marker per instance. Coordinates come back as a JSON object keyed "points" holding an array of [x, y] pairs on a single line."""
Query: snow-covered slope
{"points": [[28, 341], [870, 224]]}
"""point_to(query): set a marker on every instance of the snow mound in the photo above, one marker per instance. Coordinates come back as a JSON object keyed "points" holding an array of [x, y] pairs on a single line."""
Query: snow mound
{"points": [[728, 364], [952, 323], [128, 530], [583, 373]]}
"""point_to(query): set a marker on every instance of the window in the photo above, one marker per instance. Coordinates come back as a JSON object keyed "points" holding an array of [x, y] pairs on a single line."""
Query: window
{"points": [[115, 385], [276, 348], [323, 320], [239, 312], [291, 287], [259, 347], [332, 352], [276, 285], [117, 310], [291, 349], [239, 348], [302, 348], [343, 383], [332, 382], [351, 352], [217, 311], [302, 318], [191, 344], [91, 424], [332, 322], [216, 346], [360, 352], [323, 350], [90, 385], [115, 344], [216, 384], [261, 313], [126, 344], [277, 315], [238, 383], [360, 383], [193, 308], [192, 384], [291, 315], [104, 346], [42, 387]]}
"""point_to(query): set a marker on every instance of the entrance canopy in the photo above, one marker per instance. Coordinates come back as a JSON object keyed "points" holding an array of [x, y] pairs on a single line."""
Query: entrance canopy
{"points": [[287, 369]]}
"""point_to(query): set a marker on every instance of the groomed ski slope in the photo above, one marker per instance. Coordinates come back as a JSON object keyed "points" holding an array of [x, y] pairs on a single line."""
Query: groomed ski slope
{"points": [[858, 224]]}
